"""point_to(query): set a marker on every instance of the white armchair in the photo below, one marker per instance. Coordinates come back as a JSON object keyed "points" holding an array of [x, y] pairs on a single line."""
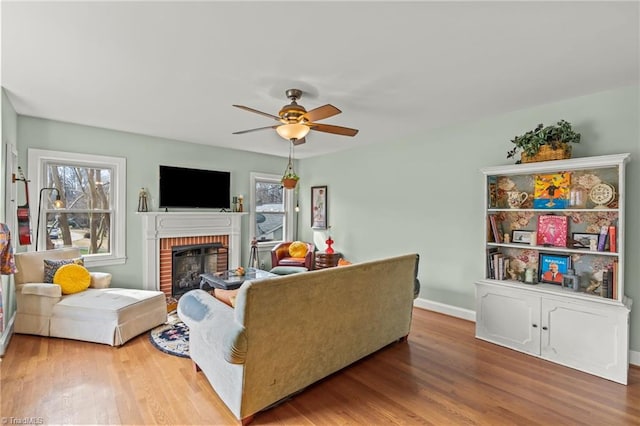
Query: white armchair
{"points": [[98, 314]]}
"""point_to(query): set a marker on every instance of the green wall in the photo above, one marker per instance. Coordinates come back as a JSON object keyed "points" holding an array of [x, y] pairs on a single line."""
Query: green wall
{"points": [[143, 154], [424, 193]]}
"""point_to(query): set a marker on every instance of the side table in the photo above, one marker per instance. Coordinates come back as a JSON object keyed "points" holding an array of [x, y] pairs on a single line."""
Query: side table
{"points": [[327, 260]]}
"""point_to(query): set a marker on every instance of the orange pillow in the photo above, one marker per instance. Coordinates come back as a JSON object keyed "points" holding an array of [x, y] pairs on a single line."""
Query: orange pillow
{"points": [[226, 296], [343, 262]]}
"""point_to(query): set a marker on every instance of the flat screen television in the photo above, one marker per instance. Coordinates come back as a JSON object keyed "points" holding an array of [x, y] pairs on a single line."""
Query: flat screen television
{"points": [[182, 187]]}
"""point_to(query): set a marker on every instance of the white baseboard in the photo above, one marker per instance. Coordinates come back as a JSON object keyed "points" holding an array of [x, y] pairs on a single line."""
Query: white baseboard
{"points": [[443, 308], [6, 335], [469, 315]]}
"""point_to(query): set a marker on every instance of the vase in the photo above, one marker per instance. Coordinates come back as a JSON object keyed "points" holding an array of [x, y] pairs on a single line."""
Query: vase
{"points": [[289, 183]]}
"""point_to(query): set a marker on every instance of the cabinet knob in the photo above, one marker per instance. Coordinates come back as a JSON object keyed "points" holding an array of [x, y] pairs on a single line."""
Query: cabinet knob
{"points": [[544, 328], [535, 325]]}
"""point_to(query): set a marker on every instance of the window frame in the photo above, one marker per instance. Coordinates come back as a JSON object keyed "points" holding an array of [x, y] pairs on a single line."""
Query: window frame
{"points": [[289, 217], [37, 162]]}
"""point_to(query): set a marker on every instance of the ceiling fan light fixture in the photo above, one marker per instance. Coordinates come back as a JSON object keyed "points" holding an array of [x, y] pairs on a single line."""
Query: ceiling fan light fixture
{"points": [[293, 131]]}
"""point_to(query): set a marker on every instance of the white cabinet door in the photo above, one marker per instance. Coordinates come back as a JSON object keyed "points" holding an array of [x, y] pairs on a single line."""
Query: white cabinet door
{"points": [[508, 317], [586, 336]]}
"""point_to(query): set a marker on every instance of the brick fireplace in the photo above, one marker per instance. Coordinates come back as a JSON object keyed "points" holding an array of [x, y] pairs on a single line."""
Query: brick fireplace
{"points": [[162, 230], [213, 245]]}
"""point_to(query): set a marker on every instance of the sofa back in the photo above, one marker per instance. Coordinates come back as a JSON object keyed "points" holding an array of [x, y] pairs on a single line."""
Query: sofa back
{"points": [[31, 264], [300, 328]]}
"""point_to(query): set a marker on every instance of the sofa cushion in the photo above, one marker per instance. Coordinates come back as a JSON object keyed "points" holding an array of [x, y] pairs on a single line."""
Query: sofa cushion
{"points": [[288, 270], [72, 278], [298, 249], [109, 304], [52, 265], [100, 280]]}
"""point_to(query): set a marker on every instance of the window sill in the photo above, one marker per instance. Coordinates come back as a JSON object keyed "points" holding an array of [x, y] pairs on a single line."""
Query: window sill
{"points": [[104, 261]]}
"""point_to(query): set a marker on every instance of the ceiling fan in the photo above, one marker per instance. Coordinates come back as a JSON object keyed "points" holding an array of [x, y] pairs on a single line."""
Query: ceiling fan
{"points": [[295, 121]]}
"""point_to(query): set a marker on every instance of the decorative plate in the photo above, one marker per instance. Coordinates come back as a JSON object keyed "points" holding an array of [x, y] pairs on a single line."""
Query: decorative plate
{"points": [[602, 194]]}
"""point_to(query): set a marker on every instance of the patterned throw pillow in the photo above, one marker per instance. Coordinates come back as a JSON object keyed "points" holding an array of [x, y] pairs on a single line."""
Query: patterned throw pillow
{"points": [[72, 278], [51, 266]]}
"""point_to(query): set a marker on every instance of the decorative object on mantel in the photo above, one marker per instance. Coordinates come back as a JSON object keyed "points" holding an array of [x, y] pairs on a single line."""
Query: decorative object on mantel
{"points": [[545, 143], [240, 203], [290, 178], [142, 201]]}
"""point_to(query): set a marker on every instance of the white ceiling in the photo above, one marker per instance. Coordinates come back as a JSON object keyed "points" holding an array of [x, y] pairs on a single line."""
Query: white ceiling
{"points": [[173, 69]]}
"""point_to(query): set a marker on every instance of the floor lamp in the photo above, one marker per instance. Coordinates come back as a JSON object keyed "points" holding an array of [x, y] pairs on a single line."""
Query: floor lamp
{"points": [[56, 204]]}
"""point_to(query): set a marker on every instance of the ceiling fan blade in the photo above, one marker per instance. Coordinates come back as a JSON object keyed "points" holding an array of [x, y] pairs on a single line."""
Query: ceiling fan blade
{"points": [[299, 141], [254, 130], [338, 130], [320, 113], [266, 114]]}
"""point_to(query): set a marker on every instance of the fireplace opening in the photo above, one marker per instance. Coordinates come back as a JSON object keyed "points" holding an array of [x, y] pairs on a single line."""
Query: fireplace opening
{"points": [[188, 262]]}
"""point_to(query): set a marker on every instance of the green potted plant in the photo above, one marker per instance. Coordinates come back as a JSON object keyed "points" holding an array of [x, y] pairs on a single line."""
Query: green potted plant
{"points": [[290, 179], [545, 143]]}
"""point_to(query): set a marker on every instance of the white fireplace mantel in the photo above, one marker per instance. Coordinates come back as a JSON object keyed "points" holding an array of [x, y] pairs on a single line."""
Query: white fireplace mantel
{"points": [[157, 225]]}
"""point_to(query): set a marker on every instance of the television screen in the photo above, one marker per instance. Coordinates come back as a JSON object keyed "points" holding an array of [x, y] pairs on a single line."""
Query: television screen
{"points": [[194, 188]]}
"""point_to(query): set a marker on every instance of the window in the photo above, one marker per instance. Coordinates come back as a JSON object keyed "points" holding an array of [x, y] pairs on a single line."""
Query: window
{"points": [[92, 189], [271, 217]]}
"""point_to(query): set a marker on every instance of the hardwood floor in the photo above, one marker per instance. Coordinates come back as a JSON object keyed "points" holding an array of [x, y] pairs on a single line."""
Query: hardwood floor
{"points": [[441, 376]]}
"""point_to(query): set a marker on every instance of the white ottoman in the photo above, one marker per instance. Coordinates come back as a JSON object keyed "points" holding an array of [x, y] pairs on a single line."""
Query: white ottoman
{"points": [[107, 315]]}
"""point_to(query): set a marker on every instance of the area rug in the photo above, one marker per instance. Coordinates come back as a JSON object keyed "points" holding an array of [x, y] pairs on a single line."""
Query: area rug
{"points": [[171, 337]]}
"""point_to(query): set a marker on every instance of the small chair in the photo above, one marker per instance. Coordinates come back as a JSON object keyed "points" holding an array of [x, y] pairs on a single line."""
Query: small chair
{"points": [[280, 256]]}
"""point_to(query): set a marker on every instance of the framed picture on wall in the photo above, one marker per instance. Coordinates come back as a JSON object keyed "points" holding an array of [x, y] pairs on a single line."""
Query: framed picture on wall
{"points": [[319, 207]]}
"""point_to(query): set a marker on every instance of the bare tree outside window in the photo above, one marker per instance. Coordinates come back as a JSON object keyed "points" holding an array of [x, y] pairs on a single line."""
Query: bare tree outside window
{"points": [[85, 220]]}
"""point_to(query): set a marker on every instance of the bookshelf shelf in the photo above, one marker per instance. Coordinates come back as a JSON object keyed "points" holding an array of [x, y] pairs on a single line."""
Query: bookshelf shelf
{"points": [[558, 291]]}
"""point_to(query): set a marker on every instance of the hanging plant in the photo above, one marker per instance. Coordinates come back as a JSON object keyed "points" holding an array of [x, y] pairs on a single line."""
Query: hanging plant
{"points": [[290, 178]]}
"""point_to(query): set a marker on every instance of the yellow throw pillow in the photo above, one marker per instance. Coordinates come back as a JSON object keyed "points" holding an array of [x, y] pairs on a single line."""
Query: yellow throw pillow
{"points": [[298, 249], [72, 278]]}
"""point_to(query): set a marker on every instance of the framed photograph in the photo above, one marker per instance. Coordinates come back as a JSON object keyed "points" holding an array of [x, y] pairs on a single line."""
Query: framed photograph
{"points": [[553, 267], [552, 230], [552, 191], [520, 236], [583, 240], [319, 207]]}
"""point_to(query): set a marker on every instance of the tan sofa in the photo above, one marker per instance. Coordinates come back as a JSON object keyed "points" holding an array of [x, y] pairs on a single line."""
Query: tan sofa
{"points": [[288, 332], [98, 314]]}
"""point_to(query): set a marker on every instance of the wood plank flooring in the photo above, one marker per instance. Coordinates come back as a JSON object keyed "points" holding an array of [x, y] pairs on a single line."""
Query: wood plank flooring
{"points": [[441, 376]]}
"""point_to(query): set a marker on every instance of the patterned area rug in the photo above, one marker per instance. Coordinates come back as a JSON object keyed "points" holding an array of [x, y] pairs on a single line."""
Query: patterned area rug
{"points": [[171, 337]]}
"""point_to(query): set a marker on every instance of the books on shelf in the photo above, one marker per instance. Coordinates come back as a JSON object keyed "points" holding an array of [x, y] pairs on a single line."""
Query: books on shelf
{"points": [[495, 229], [602, 238], [615, 280], [490, 269], [612, 239]]}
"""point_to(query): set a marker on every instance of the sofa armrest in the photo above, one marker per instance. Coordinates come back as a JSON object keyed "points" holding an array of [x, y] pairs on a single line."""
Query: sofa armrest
{"points": [[213, 321], [100, 279], [42, 289]]}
